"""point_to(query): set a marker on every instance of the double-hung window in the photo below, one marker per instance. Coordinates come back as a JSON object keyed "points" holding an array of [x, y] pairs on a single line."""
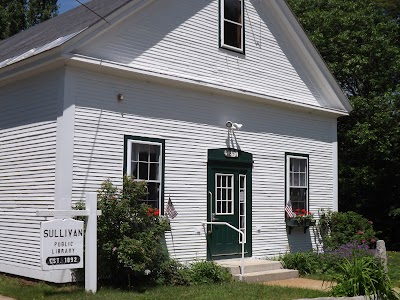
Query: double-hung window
{"points": [[144, 161], [232, 25], [297, 181]]}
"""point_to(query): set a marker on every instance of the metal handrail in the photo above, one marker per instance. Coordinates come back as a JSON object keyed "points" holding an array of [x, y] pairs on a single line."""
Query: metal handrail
{"points": [[242, 234]]}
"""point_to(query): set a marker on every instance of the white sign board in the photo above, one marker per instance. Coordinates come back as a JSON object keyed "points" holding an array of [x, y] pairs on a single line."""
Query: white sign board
{"points": [[61, 244]]}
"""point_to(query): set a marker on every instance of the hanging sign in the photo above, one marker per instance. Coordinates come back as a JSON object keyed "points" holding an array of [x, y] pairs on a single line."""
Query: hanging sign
{"points": [[61, 244]]}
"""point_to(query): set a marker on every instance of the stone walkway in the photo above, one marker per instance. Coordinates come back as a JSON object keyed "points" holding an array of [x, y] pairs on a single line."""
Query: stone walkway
{"points": [[5, 298], [303, 283]]}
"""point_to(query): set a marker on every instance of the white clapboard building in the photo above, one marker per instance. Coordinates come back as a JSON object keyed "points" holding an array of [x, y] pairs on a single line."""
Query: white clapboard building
{"points": [[158, 89]]}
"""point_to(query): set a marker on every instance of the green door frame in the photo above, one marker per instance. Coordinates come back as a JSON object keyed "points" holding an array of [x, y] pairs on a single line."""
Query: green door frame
{"points": [[223, 242]]}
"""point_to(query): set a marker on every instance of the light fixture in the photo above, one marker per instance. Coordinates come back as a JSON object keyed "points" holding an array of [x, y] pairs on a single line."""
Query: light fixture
{"points": [[233, 126], [237, 126]]}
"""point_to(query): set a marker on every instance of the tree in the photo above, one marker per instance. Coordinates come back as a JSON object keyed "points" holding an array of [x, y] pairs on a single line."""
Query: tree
{"points": [[18, 15], [359, 40]]}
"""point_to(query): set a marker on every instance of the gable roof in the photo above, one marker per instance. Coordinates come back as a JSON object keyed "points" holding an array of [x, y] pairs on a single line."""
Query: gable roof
{"points": [[55, 31], [59, 30]]}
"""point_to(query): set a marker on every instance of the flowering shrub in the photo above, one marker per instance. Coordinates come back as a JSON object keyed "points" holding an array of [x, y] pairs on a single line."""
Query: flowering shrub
{"points": [[353, 249], [130, 234], [338, 228]]}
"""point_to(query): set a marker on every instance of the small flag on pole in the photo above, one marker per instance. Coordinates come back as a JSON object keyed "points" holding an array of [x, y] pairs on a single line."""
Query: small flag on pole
{"points": [[170, 210], [289, 210]]}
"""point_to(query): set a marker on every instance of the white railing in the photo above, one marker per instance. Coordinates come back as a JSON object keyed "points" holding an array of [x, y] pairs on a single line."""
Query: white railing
{"points": [[242, 234]]}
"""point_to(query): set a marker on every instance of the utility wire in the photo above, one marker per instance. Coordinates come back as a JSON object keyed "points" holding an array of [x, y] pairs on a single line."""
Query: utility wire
{"points": [[92, 10]]}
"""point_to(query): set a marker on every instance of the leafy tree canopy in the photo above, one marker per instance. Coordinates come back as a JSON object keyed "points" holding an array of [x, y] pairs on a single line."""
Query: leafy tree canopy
{"points": [[18, 15], [359, 40]]}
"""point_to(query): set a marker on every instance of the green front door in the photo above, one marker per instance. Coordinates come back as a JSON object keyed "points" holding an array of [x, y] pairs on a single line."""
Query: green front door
{"points": [[229, 200]]}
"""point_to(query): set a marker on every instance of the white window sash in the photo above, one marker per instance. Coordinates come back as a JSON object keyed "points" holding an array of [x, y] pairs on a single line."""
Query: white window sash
{"points": [[160, 162], [222, 25], [289, 186]]}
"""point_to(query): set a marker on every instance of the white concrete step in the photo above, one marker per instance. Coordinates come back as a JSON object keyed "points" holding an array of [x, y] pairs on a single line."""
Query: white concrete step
{"points": [[250, 265], [265, 276], [258, 270]]}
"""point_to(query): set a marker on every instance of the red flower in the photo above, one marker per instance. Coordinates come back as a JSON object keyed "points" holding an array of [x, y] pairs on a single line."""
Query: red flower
{"points": [[297, 210], [156, 212], [373, 241], [303, 210], [150, 212], [360, 232], [363, 241], [370, 222]]}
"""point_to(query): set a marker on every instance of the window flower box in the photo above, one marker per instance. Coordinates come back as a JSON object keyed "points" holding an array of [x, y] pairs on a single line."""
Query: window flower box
{"points": [[293, 222]]}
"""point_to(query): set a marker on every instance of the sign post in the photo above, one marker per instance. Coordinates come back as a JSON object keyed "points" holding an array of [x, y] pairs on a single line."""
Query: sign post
{"points": [[91, 244], [62, 241]]}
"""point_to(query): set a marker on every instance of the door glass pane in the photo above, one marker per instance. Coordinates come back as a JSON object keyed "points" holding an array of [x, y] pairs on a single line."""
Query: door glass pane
{"points": [[219, 206], [242, 208]]}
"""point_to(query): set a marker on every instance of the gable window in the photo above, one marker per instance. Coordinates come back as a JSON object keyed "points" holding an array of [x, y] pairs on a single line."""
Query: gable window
{"points": [[297, 181], [232, 25], [144, 160]]}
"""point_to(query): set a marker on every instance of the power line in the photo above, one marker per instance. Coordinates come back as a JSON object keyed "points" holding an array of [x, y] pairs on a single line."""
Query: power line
{"points": [[92, 11]]}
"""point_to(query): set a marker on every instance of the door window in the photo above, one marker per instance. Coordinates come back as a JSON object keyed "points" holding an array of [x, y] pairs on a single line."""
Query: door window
{"points": [[224, 194]]}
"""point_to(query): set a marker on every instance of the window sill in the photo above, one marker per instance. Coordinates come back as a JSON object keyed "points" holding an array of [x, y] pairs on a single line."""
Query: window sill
{"points": [[292, 223]]}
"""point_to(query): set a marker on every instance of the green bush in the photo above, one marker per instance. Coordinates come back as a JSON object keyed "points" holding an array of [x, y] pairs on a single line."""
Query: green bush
{"points": [[208, 272], [130, 235], [363, 275], [305, 262], [172, 272], [325, 264], [338, 228], [200, 272]]}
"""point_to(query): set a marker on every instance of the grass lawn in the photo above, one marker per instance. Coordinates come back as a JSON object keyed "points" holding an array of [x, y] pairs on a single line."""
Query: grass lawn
{"points": [[394, 267], [23, 289]]}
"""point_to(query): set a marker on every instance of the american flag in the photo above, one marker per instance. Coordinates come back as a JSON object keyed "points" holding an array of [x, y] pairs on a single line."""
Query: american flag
{"points": [[289, 210], [170, 210]]}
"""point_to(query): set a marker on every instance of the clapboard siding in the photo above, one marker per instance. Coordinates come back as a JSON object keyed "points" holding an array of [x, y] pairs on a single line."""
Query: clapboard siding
{"points": [[180, 38], [28, 124], [191, 123]]}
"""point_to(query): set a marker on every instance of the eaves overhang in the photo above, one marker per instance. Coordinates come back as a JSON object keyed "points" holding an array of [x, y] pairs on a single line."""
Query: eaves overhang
{"points": [[118, 69]]}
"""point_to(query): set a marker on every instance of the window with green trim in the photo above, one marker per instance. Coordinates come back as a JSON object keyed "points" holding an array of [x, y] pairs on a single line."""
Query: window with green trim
{"points": [[232, 25], [297, 181], [144, 161]]}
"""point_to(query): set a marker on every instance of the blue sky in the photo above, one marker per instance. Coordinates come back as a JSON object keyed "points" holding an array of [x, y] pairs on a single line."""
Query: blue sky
{"points": [[68, 4]]}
